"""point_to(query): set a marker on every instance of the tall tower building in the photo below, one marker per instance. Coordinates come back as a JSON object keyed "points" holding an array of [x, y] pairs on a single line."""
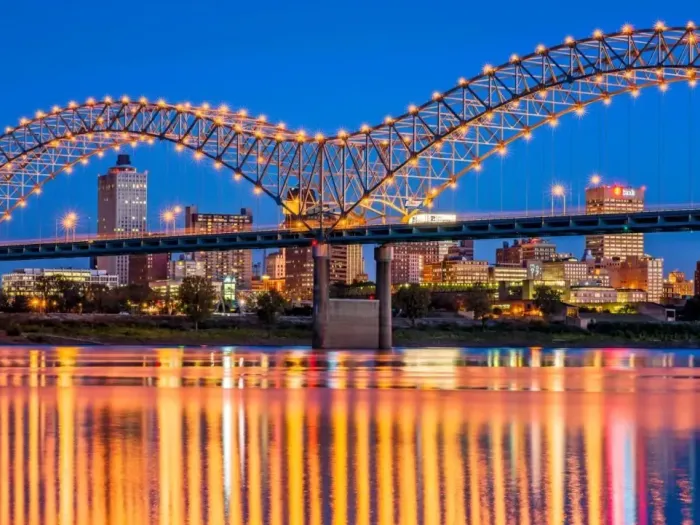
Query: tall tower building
{"points": [[218, 265], [697, 278], [356, 263], [274, 265], [299, 268], [121, 209], [615, 199]]}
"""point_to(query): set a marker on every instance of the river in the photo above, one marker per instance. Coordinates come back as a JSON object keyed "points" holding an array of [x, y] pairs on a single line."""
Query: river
{"points": [[285, 436]]}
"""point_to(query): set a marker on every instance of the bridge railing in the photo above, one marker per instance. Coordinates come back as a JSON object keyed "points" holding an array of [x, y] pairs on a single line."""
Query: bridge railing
{"points": [[184, 232]]}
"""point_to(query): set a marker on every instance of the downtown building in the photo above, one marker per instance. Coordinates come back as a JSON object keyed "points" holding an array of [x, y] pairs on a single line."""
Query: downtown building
{"points": [[122, 195], [275, 265], [24, 281], [522, 251], [603, 200], [410, 258], [346, 265], [697, 278], [218, 265], [638, 273]]}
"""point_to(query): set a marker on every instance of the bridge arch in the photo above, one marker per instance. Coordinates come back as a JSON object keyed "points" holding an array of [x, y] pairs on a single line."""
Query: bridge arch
{"points": [[397, 167]]}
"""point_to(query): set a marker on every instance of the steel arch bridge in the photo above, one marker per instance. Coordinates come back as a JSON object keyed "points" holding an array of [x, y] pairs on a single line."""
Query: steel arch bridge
{"points": [[391, 169]]}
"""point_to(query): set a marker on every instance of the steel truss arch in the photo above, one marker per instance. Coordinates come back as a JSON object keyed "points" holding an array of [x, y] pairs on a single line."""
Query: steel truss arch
{"points": [[394, 168]]}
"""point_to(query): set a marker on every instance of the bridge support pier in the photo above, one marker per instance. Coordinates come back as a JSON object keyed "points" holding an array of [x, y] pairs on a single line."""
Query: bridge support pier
{"points": [[321, 255], [382, 256]]}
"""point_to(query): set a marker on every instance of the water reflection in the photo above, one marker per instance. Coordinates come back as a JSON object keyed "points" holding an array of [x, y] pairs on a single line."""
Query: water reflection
{"points": [[77, 454]]}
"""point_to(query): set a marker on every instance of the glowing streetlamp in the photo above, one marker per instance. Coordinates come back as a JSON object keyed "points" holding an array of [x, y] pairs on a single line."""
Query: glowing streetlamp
{"points": [[558, 190], [168, 217], [595, 180], [68, 222]]}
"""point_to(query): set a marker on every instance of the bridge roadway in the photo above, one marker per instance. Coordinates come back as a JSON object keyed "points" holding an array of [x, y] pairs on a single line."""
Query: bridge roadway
{"points": [[669, 220]]}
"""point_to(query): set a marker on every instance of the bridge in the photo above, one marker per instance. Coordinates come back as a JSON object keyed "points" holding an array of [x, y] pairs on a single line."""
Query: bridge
{"points": [[480, 228], [387, 172]]}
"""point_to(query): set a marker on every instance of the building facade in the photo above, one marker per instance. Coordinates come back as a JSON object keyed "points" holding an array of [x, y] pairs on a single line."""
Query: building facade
{"points": [[356, 263], [591, 293], [299, 269], [220, 264], [456, 272], [615, 199], [24, 281], [570, 270], [121, 210], [149, 267], [186, 268], [638, 273], [274, 265], [522, 251], [697, 278], [677, 286]]}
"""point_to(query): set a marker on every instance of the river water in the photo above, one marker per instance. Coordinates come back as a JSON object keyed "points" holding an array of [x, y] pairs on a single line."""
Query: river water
{"points": [[284, 436]]}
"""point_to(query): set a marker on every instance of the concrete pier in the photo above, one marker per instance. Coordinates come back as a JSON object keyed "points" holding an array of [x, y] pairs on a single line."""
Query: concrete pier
{"points": [[383, 256], [321, 255]]}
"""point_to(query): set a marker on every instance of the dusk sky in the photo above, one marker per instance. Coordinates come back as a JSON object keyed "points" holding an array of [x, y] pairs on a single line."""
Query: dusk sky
{"points": [[330, 65]]}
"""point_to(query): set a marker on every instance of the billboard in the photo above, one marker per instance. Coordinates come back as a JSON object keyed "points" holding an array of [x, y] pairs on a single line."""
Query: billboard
{"points": [[432, 218]]}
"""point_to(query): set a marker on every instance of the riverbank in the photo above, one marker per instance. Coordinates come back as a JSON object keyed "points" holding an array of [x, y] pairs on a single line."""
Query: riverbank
{"points": [[76, 331]]}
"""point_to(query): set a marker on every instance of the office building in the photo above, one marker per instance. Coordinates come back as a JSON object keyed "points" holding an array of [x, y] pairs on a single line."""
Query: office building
{"points": [[299, 269], [591, 292], [220, 264], [121, 209], [507, 274], [274, 265], [569, 270], [602, 200], [24, 281], [266, 284], [677, 286], [625, 296], [148, 267], [186, 268], [522, 251], [356, 263], [456, 272], [638, 273]]}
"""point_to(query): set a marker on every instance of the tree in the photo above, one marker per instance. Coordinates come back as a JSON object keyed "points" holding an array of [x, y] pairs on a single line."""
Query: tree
{"points": [[413, 301], [478, 300], [20, 304], [547, 299], [4, 302], [270, 305], [196, 295], [69, 294], [691, 310]]}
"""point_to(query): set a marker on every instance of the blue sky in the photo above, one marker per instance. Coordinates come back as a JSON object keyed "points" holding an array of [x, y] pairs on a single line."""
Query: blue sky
{"points": [[329, 65]]}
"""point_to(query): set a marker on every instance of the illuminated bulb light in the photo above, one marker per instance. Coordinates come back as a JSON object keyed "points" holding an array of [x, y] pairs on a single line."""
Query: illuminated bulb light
{"points": [[477, 166], [217, 165], [412, 109], [690, 25], [692, 82], [108, 99], [23, 121], [7, 217], [364, 128], [413, 161], [388, 120], [541, 49], [83, 162], [72, 104], [262, 118], [179, 147], [597, 34], [634, 92], [161, 103], [543, 94], [663, 86], [406, 140], [627, 29], [223, 108], [151, 141], [100, 120], [242, 113], [37, 190], [143, 101], [429, 204], [8, 129], [599, 79], [90, 101], [125, 100], [342, 134], [570, 41], [607, 100], [527, 134], [237, 175], [437, 95], [117, 147], [514, 59], [502, 150], [628, 74], [489, 69], [261, 160], [462, 81], [69, 169], [692, 39], [134, 143], [40, 114], [257, 190], [488, 116], [205, 106], [238, 128], [55, 109], [319, 137], [22, 203], [660, 26], [389, 180], [257, 133], [279, 137], [453, 184], [553, 121], [433, 191], [198, 155], [100, 154], [281, 125]]}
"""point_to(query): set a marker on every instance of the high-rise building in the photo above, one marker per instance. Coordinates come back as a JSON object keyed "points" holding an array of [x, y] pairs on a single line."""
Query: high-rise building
{"points": [[186, 268], [456, 272], [220, 264], [638, 273], [697, 278], [299, 269], [522, 251], [356, 263], [25, 281], [121, 209], [571, 271], [274, 265], [615, 199], [144, 269]]}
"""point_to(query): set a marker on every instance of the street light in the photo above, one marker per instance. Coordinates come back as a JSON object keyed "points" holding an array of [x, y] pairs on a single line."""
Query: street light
{"points": [[595, 180], [68, 222], [168, 217], [558, 191]]}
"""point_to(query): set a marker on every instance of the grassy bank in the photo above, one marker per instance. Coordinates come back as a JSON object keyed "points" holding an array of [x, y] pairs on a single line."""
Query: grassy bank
{"points": [[246, 331]]}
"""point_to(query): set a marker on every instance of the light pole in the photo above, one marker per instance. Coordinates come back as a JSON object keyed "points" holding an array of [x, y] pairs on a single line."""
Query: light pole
{"points": [[558, 191], [68, 222], [167, 217]]}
